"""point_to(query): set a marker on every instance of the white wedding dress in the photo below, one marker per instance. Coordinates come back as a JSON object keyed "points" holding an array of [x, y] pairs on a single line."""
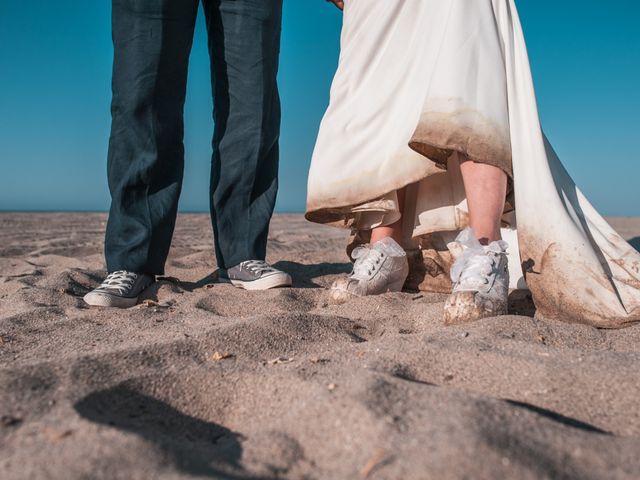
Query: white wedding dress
{"points": [[421, 82]]}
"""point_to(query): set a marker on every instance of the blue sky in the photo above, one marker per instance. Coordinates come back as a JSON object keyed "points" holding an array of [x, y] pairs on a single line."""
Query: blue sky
{"points": [[55, 73]]}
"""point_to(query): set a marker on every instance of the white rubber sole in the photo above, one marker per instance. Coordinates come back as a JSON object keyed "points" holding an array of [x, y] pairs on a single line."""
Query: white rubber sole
{"points": [[106, 300], [272, 281], [339, 294]]}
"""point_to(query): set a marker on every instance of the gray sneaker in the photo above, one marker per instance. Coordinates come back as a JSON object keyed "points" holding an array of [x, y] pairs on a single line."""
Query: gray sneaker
{"points": [[120, 289], [256, 275], [378, 269], [480, 278]]}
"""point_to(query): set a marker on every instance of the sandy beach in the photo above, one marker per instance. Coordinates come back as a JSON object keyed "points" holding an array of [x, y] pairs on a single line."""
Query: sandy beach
{"points": [[203, 380]]}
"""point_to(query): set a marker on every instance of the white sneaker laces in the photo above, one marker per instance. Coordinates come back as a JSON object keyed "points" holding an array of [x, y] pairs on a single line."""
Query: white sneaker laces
{"points": [[257, 266], [475, 272], [120, 280], [367, 262], [476, 263]]}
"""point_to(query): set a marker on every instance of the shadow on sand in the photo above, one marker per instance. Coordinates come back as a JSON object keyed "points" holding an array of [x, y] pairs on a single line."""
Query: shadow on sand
{"points": [[194, 446], [304, 274]]}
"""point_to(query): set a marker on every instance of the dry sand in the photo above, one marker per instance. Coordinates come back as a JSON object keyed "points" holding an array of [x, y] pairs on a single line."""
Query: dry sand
{"points": [[377, 388]]}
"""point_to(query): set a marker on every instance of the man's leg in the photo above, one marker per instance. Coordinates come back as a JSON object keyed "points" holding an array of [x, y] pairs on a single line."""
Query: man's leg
{"points": [[152, 41], [244, 43]]}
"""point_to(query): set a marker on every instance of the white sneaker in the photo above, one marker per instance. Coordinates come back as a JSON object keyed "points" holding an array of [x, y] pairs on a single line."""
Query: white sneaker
{"points": [[480, 278], [378, 269]]}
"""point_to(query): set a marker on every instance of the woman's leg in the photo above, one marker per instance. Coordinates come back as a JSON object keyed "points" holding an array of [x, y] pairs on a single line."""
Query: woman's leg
{"points": [[380, 268], [481, 284], [486, 189], [395, 229]]}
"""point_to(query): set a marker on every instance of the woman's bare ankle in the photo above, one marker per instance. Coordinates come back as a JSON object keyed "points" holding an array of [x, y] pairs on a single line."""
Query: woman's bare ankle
{"points": [[394, 231], [485, 237]]}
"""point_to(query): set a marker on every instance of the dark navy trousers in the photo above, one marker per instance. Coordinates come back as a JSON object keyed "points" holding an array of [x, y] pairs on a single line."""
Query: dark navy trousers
{"points": [[152, 42]]}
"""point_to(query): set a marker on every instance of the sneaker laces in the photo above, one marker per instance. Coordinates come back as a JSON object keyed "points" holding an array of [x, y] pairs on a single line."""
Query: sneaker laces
{"points": [[257, 266], [120, 281], [475, 271], [367, 261]]}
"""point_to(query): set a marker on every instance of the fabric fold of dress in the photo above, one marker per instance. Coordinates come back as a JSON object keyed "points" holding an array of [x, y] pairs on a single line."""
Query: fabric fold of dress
{"points": [[422, 84]]}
